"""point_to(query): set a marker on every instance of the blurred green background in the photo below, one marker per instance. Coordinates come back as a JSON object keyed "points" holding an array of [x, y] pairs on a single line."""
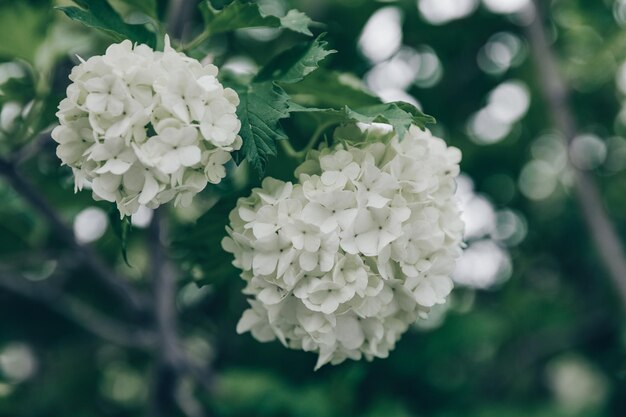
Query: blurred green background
{"points": [[534, 328]]}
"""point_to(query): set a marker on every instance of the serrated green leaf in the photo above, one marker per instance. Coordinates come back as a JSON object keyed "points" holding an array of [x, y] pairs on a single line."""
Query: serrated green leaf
{"points": [[261, 107], [243, 15], [398, 114], [297, 21], [98, 14], [295, 63], [331, 89]]}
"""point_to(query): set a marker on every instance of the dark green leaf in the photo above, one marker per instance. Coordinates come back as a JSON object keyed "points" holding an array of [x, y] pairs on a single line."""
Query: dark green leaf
{"points": [[121, 227], [399, 114], [295, 63], [242, 15], [261, 107], [98, 14], [324, 88]]}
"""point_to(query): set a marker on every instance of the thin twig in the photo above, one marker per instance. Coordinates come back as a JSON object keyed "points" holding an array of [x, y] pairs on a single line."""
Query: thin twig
{"points": [[556, 94], [27, 191], [301, 154], [31, 148], [78, 312]]}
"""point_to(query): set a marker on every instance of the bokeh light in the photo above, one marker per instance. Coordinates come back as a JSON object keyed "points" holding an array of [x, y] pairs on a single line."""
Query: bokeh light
{"points": [[506, 105], [486, 261], [502, 51], [123, 384], [509, 101], [382, 35], [90, 224], [142, 217], [576, 384], [439, 12], [538, 179], [17, 362], [483, 265], [587, 151], [9, 113], [408, 67], [507, 6]]}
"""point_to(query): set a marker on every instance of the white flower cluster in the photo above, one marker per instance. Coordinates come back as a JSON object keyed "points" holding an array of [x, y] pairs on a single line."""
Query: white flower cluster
{"points": [[342, 262], [143, 127]]}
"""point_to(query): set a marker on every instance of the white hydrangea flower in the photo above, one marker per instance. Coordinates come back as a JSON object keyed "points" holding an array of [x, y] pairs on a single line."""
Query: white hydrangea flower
{"points": [[343, 261], [143, 127]]}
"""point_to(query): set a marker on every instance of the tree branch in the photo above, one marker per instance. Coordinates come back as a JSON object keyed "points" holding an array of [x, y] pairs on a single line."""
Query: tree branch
{"points": [[31, 148], [173, 361], [164, 289], [108, 277], [163, 280], [178, 12], [76, 311], [556, 95]]}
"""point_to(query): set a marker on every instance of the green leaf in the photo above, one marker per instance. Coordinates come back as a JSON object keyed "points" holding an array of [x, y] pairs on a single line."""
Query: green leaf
{"points": [[297, 21], [242, 15], [98, 14], [261, 107], [121, 228], [295, 63], [324, 88], [398, 114]]}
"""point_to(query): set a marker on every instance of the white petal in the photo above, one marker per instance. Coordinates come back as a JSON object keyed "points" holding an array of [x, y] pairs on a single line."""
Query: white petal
{"points": [[349, 332], [189, 155], [150, 189]]}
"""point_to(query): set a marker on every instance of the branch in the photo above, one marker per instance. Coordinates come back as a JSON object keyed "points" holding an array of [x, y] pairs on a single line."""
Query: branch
{"points": [[173, 360], [101, 271], [76, 311], [164, 289], [31, 148], [556, 95], [163, 280], [178, 15]]}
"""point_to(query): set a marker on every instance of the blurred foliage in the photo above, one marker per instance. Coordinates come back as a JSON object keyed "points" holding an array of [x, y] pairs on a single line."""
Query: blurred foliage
{"points": [[504, 351]]}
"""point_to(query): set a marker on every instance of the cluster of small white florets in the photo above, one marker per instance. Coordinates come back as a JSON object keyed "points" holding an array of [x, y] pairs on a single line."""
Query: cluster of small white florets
{"points": [[342, 262], [143, 127]]}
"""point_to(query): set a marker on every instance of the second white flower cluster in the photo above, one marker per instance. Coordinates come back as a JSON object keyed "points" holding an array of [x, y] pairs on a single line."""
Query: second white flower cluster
{"points": [[344, 261], [142, 127]]}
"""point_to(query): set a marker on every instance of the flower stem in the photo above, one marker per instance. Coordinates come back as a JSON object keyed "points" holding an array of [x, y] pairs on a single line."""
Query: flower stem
{"points": [[197, 41], [291, 152]]}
